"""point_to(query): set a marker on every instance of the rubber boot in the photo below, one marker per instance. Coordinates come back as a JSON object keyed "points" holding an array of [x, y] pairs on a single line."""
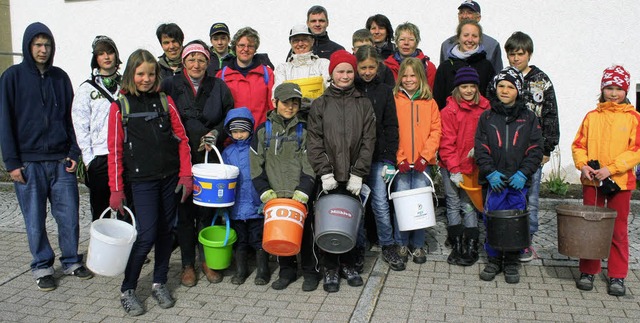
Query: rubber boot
{"points": [[455, 237], [470, 247], [263, 274], [242, 270]]}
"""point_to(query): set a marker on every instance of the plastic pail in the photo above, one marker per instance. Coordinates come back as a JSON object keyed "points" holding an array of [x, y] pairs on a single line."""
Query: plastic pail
{"points": [[585, 231], [214, 185], [336, 222], [110, 244], [283, 225], [311, 87], [414, 207], [473, 189], [217, 242], [508, 230]]}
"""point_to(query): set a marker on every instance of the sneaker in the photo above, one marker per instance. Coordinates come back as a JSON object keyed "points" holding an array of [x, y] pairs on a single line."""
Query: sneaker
{"points": [[390, 256], [130, 303], [351, 275], [585, 282], [490, 271], [616, 287], [419, 255], [527, 254], [403, 253], [310, 283], [46, 283], [161, 294], [511, 274], [331, 281], [82, 272]]}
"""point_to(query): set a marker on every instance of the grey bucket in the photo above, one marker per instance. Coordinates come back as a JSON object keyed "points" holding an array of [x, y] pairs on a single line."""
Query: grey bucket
{"points": [[337, 217], [585, 231]]}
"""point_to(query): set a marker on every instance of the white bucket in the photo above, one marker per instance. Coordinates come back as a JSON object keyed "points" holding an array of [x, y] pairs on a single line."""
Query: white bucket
{"points": [[414, 207], [214, 185], [110, 244]]}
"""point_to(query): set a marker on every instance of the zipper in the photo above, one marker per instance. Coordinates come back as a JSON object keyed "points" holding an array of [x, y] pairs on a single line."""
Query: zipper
{"points": [[412, 133]]}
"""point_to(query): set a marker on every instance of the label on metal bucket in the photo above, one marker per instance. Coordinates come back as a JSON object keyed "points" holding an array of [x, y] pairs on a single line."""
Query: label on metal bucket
{"points": [[284, 214], [344, 213]]}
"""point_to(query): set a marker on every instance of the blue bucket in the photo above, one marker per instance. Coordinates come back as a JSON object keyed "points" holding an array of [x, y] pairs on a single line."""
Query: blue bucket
{"points": [[214, 185]]}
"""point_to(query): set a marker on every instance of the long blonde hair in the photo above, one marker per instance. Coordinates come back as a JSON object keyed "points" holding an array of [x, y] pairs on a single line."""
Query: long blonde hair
{"points": [[136, 59], [416, 65]]}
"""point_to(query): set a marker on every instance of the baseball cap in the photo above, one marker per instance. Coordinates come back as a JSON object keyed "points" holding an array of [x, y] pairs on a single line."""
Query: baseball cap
{"points": [[299, 30], [219, 27], [471, 5], [286, 91]]}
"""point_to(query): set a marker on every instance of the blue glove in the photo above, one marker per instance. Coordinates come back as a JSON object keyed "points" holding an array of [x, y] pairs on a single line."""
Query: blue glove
{"points": [[496, 180], [517, 180]]}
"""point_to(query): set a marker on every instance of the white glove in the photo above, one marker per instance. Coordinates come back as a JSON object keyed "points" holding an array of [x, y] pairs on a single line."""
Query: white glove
{"points": [[328, 182], [471, 152], [354, 185], [456, 178]]}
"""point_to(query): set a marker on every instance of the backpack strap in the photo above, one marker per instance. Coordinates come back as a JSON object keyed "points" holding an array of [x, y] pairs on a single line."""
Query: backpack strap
{"points": [[224, 69], [100, 89], [125, 111], [267, 134], [299, 128], [265, 75]]}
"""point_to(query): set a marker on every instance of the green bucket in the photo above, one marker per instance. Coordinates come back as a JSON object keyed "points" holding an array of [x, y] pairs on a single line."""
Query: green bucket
{"points": [[217, 242]]}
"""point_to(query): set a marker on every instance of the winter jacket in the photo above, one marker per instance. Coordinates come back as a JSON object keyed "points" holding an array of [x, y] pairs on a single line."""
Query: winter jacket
{"points": [[540, 97], [281, 164], [341, 133], [508, 139], [200, 111], [610, 135], [238, 154], [165, 70], [384, 107], [35, 109], [302, 66], [447, 70], [491, 46], [419, 128], [217, 63], [393, 63], [459, 123], [387, 49], [90, 112], [154, 149], [386, 75], [253, 91]]}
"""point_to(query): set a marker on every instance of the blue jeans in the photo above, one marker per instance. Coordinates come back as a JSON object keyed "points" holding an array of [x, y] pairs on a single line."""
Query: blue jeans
{"points": [[380, 204], [458, 202], [403, 182], [534, 201], [49, 180]]}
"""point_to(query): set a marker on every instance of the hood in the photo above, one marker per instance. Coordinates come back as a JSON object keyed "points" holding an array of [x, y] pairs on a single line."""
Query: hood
{"points": [[238, 113], [31, 32]]}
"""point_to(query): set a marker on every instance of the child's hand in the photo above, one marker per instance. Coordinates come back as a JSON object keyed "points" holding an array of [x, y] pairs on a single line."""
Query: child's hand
{"points": [[517, 180], [420, 164], [456, 178], [404, 167], [300, 197], [587, 172], [388, 170], [602, 173], [329, 183], [496, 180], [354, 185], [185, 184], [268, 195], [117, 201]]}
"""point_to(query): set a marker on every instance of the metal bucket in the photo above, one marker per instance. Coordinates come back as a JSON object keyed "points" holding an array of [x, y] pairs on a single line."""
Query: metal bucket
{"points": [[585, 231], [337, 217]]}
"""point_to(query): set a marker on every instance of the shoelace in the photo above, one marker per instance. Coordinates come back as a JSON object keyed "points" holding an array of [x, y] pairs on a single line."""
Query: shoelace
{"points": [[618, 281]]}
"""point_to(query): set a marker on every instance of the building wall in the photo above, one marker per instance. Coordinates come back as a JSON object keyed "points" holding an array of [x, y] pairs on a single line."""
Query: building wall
{"points": [[6, 58], [574, 39]]}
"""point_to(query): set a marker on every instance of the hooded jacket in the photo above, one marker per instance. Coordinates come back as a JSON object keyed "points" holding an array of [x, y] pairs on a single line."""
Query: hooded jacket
{"points": [[341, 133], [393, 63], [35, 109], [492, 47], [610, 134], [283, 166], [419, 127], [459, 123], [302, 66], [238, 153], [508, 139]]}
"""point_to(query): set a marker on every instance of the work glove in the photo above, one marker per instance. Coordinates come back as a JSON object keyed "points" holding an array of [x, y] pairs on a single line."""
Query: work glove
{"points": [[420, 165], [209, 140], [354, 185], [117, 201], [328, 182], [404, 167], [388, 170], [471, 153], [268, 195], [496, 180], [517, 180], [456, 178], [300, 197], [185, 184]]}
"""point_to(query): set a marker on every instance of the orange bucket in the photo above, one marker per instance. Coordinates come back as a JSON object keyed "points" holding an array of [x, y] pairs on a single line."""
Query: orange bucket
{"points": [[473, 189], [283, 226]]}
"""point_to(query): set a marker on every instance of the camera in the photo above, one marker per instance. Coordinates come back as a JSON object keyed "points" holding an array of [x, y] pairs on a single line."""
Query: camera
{"points": [[607, 186]]}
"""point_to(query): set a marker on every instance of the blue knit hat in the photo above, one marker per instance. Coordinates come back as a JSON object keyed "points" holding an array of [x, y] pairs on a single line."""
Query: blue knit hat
{"points": [[466, 75]]}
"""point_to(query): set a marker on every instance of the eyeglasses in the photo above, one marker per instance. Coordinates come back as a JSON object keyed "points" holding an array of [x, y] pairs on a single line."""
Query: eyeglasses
{"points": [[300, 40]]}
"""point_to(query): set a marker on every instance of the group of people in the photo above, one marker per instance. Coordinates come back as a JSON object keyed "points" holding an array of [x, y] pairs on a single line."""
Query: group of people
{"points": [[385, 113]]}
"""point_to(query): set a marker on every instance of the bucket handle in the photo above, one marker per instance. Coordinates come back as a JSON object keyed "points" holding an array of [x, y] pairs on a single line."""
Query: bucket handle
{"points": [[396, 173], [327, 193], [225, 213], [206, 155], [111, 216]]}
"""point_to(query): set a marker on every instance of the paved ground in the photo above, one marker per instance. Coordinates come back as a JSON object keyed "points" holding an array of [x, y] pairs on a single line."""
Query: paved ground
{"points": [[434, 291]]}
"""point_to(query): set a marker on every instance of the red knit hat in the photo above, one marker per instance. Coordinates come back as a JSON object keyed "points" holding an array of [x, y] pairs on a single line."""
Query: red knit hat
{"points": [[616, 75], [341, 56]]}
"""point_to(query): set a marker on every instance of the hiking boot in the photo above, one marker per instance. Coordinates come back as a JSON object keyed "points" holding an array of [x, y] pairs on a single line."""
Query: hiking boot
{"points": [[331, 281], [282, 283], [82, 272], [46, 283], [470, 247], [456, 251], [585, 282], [511, 274], [263, 273], [188, 276], [527, 254], [359, 263], [390, 256], [242, 269], [131, 304], [490, 271], [310, 282], [403, 253], [351, 275], [161, 293], [419, 255], [616, 287], [213, 276]]}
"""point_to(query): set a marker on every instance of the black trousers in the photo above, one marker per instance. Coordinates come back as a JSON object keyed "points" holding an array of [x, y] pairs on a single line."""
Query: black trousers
{"points": [[191, 220]]}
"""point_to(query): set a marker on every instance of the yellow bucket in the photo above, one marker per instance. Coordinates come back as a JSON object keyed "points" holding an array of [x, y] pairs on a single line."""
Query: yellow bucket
{"points": [[312, 87], [473, 189]]}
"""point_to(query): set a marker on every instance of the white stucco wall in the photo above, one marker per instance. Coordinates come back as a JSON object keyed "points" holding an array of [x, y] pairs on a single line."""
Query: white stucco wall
{"points": [[574, 39]]}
